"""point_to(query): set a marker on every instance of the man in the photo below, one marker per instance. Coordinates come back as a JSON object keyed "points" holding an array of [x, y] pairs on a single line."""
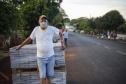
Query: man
{"points": [[45, 53], [65, 35]]}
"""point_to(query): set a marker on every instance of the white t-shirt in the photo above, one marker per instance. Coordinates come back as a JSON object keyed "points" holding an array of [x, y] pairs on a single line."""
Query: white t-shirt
{"points": [[65, 34], [44, 40]]}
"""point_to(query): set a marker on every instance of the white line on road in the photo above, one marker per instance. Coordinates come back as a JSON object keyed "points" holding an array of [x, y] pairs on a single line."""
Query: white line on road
{"points": [[92, 41], [121, 52], [106, 47], [98, 44]]}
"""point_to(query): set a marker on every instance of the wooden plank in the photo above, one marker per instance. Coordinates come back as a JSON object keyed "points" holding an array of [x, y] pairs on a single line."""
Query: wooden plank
{"points": [[5, 76], [24, 70], [35, 70]]}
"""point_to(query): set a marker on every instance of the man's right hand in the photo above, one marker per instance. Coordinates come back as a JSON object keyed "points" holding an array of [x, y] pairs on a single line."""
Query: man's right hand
{"points": [[16, 48]]}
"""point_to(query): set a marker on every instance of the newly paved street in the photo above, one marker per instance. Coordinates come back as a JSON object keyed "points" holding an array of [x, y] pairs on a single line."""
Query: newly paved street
{"points": [[95, 61]]}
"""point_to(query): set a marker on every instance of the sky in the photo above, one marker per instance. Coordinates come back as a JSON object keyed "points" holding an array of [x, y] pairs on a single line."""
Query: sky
{"points": [[92, 8]]}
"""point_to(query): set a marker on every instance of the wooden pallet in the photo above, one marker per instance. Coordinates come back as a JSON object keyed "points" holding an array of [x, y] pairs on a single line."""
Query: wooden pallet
{"points": [[35, 70]]}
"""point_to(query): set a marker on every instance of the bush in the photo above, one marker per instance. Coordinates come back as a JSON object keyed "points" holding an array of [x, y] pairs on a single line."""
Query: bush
{"points": [[122, 28]]}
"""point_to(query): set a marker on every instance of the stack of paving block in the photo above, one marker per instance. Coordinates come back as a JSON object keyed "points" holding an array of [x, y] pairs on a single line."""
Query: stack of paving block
{"points": [[25, 69], [59, 55], [24, 58], [33, 78]]}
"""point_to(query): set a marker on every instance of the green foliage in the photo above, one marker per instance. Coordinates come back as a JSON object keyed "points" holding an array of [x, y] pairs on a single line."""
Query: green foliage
{"points": [[87, 29], [91, 23], [63, 12], [8, 18], [31, 10], [73, 21], [53, 6], [59, 25], [82, 19], [122, 28], [112, 20], [66, 20], [98, 24], [29, 15], [23, 15], [57, 20], [82, 23]]}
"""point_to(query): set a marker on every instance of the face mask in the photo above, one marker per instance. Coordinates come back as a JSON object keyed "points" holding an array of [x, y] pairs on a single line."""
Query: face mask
{"points": [[43, 24]]}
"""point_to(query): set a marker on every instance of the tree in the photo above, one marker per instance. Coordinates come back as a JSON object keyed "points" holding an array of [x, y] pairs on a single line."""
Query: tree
{"points": [[57, 21], [29, 15], [8, 18], [66, 20], [82, 23], [53, 6], [91, 23], [112, 20], [98, 24], [63, 12], [82, 19], [73, 21], [122, 28]]}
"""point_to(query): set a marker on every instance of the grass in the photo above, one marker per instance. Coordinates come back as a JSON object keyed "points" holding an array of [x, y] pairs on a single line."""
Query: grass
{"points": [[3, 54], [121, 41]]}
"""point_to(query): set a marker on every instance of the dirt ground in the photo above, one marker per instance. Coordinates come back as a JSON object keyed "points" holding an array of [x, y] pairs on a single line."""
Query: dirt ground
{"points": [[5, 68]]}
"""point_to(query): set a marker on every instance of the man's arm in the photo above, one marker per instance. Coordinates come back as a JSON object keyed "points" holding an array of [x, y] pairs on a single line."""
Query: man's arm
{"points": [[61, 38], [25, 42]]}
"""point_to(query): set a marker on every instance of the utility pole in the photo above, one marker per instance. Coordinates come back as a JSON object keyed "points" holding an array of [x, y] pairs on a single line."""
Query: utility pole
{"points": [[90, 16]]}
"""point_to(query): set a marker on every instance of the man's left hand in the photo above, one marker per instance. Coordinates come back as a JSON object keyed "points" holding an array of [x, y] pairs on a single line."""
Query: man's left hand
{"points": [[63, 46]]}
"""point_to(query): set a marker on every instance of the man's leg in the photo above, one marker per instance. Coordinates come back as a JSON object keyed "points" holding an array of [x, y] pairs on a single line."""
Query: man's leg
{"points": [[65, 41], [42, 69], [48, 80], [42, 81], [50, 69]]}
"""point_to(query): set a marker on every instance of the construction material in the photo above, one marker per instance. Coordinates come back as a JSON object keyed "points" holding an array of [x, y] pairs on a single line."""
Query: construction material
{"points": [[33, 78], [26, 56], [25, 69]]}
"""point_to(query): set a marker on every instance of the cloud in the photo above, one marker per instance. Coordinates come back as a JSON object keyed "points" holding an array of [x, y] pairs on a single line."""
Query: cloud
{"points": [[76, 8], [96, 2]]}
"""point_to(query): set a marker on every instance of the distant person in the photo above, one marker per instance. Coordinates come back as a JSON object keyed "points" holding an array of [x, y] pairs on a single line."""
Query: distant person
{"points": [[104, 34], [65, 36], [114, 35], [45, 52], [82, 31], [108, 34], [91, 33], [62, 30], [111, 33]]}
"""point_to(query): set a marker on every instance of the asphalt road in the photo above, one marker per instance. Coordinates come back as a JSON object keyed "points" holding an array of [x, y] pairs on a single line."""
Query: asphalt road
{"points": [[95, 61]]}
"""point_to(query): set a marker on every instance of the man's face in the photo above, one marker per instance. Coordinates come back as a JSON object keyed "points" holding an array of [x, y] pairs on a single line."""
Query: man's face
{"points": [[43, 20]]}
